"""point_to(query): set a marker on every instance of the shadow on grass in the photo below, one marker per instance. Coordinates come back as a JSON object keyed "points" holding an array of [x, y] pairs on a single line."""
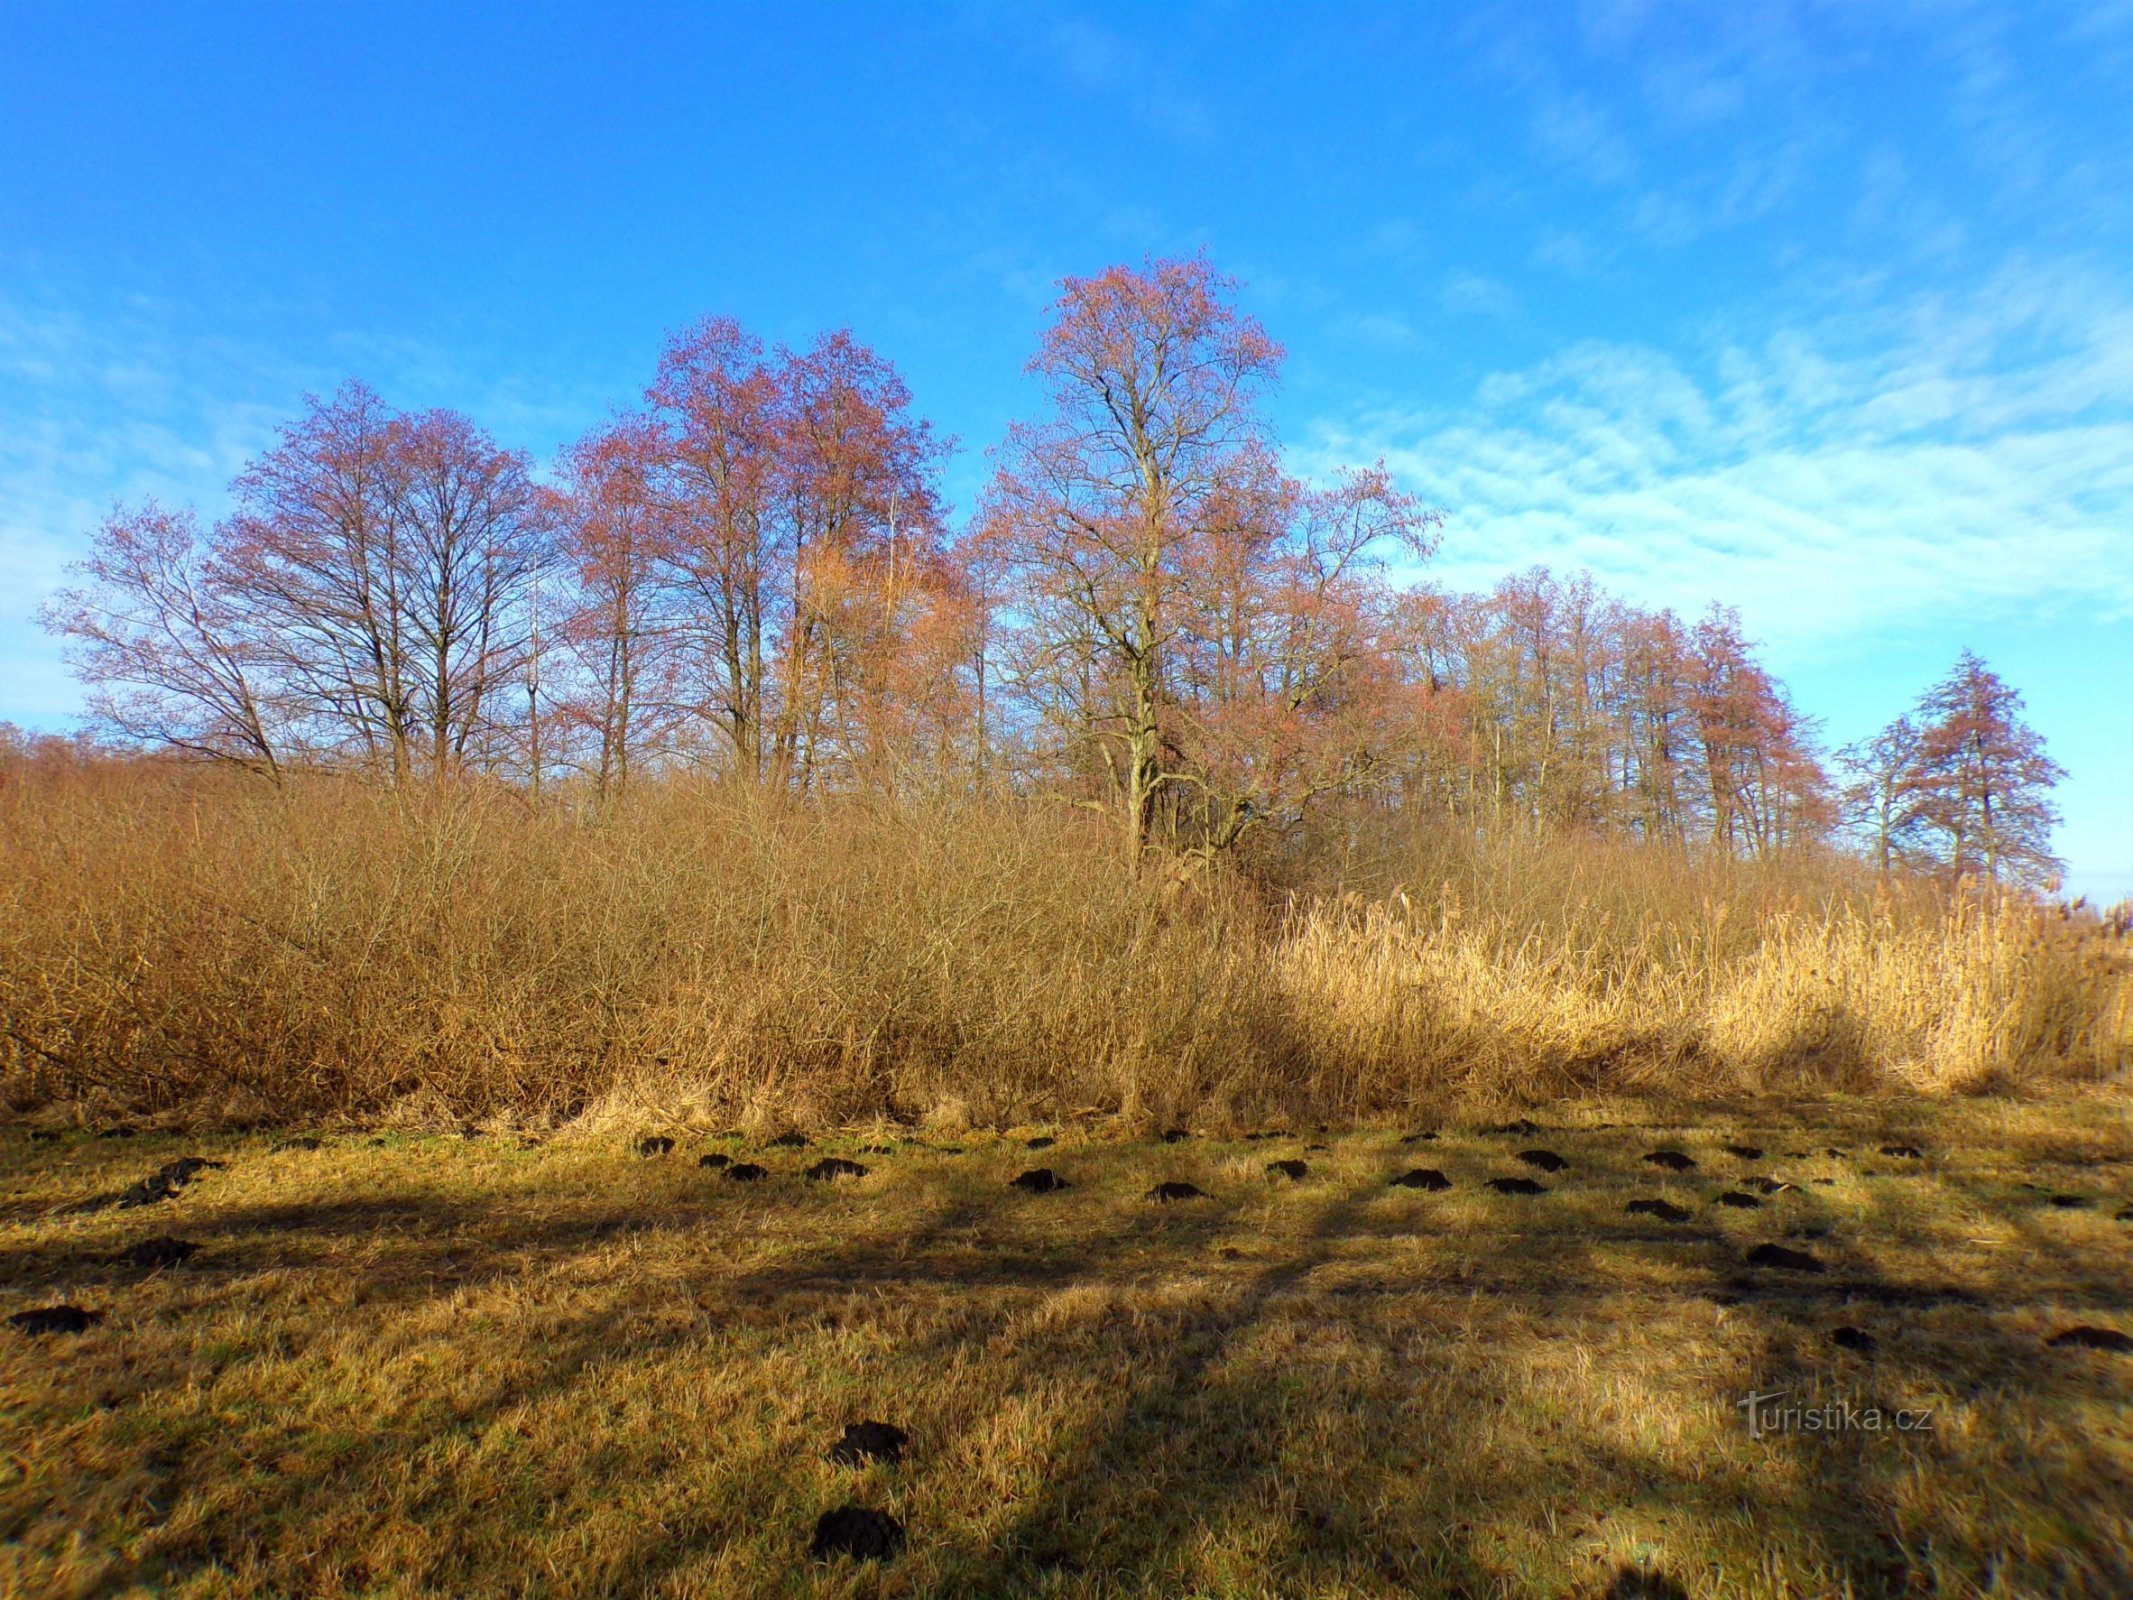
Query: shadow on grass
{"points": [[1952, 1360], [1269, 1434]]}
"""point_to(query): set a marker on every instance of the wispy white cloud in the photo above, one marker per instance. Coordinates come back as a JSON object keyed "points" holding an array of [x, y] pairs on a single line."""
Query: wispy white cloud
{"points": [[1106, 63], [131, 397], [1684, 120], [95, 408], [1574, 130], [1567, 250], [1469, 294], [1975, 459], [1379, 329]]}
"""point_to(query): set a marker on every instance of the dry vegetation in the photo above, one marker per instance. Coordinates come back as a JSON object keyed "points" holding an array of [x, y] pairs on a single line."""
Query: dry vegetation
{"points": [[202, 946], [411, 1362], [429, 1365]]}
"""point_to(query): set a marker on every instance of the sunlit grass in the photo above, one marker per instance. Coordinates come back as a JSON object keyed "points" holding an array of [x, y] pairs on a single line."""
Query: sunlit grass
{"points": [[433, 1365]]}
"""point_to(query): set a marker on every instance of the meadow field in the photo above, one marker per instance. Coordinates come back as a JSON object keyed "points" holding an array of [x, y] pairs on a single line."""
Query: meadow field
{"points": [[418, 1365], [373, 1218]]}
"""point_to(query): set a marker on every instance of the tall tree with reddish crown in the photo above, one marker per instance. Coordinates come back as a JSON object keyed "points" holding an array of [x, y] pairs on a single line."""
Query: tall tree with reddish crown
{"points": [[1187, 618], [716, 406], [168, 657], [619, 622], [1766, 788], [388, 558], [802, 515], [1983, 779], [862, 517]]}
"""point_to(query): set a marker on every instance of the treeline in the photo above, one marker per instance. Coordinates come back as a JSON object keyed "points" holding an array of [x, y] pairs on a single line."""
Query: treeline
{"points": [[751, 573]]}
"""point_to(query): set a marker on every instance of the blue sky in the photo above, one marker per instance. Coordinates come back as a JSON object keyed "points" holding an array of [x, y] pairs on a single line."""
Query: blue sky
{"points": [[1819, 309]]}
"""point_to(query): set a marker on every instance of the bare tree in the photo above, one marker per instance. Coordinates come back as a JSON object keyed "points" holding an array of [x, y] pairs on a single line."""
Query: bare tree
{"points": [[1884, 797], [620, 623], [715, 406], [168, 655], [1198, 628], [1983, 778], [1153, 378], [386, 560]]}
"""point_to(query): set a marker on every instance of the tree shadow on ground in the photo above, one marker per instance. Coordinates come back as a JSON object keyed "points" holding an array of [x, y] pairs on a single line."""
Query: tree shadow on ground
{"points": [[1270, 1431], [1957, 1357]]}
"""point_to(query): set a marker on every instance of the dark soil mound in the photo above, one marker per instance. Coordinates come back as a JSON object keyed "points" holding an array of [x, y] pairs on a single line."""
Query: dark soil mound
{"points": [[877, 1149], [145, 1193], [1763, 1185], [1427, 1178], [857, 1532], [1054, 1558], [165, 1182], [1515, 1186], [1835, 1154], [1851, 1338], [1903, 1152], [789, 1141], [869, 1441], [304, 1142], [1164, 1193], [2070, 1202], [1289, 1169], [1747, 1152], [1737, 1200], [2085, 1337], [835, 1167], [1672, 1160], [164, 1252], [1426, 1137], [1038, 1180], [1777, 1255], [1638, 1583], [1663, 1210], [714, 1160], [655, 1144], [1043, 1141], [1522, 1127], [117, 1133], [55, 1319], [747, 1172], [1545, 1160], [1175, 1136]]}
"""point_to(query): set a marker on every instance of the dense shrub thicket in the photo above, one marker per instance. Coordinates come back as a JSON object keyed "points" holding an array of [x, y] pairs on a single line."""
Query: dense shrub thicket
{"points": [[188, 941]]}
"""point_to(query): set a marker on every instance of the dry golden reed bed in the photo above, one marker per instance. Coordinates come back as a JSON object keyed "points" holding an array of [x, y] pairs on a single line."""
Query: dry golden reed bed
{"points": [[204, 946], [414, 1366]]}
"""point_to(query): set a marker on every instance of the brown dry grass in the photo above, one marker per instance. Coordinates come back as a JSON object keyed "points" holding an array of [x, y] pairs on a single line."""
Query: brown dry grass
{"points": [[178, 942], [408, 1366]]}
